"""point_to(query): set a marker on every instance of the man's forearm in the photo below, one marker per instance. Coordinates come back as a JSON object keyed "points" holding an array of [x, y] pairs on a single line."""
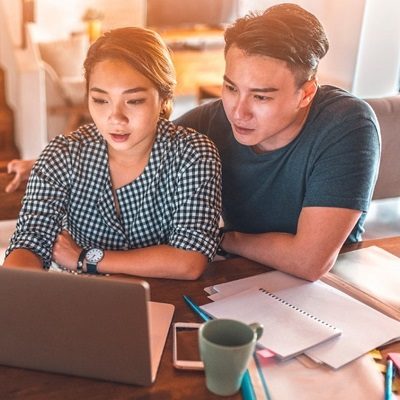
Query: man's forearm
{"points": [[281, 251]]}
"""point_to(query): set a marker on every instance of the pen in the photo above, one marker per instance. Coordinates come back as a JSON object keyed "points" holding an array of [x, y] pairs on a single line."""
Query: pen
{"points": [[246, 387], [388, 380], [204, 316]]}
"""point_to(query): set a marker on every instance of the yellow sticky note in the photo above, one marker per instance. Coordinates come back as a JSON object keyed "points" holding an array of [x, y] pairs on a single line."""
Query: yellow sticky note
{"points": [[376, 354]]}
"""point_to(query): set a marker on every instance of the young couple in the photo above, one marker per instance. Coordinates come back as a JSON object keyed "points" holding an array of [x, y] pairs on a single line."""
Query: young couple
{"points": [[134, 193]]}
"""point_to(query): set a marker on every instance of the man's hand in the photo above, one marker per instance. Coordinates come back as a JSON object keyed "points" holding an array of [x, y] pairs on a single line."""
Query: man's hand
{"points": [[66, 251], [21, 169]]}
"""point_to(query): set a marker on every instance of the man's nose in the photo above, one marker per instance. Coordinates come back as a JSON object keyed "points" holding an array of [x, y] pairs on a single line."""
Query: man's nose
{"points": [[242, 110]]}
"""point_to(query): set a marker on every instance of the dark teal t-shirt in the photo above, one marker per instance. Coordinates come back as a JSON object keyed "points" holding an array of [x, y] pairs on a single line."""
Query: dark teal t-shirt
{"points": [[333, 162]]}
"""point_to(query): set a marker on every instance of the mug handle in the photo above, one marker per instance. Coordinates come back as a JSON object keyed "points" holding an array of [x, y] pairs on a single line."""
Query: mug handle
{"points": [[257, 328]]}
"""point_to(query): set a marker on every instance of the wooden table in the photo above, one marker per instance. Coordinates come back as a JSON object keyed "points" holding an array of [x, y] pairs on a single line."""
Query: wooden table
{"points": [[171, 384]]}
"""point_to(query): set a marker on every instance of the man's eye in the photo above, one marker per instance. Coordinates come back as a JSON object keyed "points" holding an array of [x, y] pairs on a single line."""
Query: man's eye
{"points": [[262, 98], [230, 87]]}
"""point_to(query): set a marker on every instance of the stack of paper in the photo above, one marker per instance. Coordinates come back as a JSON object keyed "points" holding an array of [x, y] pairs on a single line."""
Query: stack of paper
{"points": [[288, 331], [373, 270], [363, 328]]}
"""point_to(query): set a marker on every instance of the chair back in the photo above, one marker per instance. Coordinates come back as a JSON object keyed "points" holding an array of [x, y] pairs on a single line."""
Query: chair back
{"points": [[387, 110]]}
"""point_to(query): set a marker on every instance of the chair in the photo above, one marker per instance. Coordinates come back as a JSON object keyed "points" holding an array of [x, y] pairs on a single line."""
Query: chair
{"points": [[60, 62], [387, 110], [383, 218]]}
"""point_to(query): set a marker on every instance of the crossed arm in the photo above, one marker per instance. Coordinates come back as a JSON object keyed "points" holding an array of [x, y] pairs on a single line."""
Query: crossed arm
{"points": [[154, 261], [307, 254]]}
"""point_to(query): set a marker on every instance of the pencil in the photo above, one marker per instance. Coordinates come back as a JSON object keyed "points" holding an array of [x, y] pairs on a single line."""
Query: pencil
{"points": [[388, 380]]}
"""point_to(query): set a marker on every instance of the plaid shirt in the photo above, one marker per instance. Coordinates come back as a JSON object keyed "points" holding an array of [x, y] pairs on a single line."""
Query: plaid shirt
{"points": [[175, 201]]}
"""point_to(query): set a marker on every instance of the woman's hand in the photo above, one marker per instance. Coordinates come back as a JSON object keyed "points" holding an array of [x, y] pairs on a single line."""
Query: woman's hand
{"points": [[66, 251]]}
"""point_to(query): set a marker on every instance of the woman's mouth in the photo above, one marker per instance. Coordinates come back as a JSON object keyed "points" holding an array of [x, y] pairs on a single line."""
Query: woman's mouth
{"points": [[119, 137]]}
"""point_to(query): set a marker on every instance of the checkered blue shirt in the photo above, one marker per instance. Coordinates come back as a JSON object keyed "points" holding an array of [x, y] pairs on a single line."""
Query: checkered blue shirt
{"points": [[175, 201]]}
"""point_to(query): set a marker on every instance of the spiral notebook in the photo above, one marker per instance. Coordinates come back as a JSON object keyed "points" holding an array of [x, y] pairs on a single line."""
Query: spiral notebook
{"points": [[288, 330]]}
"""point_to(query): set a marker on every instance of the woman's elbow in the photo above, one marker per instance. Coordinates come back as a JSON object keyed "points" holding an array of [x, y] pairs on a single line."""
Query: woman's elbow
{"points": [[193, 269]]}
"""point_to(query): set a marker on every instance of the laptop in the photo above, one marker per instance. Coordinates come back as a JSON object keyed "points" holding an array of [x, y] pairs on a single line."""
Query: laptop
{"points": [[84, 325]]}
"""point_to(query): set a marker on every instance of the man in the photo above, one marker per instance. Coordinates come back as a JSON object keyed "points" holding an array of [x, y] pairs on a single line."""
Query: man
{"points": [[299, 161]]}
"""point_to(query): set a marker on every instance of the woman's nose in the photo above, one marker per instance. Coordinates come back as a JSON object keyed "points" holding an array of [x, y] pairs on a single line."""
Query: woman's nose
{"points": [[117, 115]]}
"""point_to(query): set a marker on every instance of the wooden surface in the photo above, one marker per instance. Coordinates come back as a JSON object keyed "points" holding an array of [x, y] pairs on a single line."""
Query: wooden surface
{"points": [[197, 67], [198, 56], [10, 203], [208, 92], [171, 383], [8, 149]]}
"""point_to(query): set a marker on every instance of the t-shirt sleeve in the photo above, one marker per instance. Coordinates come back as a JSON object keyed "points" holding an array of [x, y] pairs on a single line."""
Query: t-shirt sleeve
{"points": [[346, 166]]}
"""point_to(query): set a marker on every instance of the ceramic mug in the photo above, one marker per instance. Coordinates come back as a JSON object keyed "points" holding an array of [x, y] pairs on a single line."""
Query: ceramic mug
{"points": [[226, 347]]}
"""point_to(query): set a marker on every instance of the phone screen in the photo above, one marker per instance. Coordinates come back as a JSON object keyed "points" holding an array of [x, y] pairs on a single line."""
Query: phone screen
{"points": [[186, 353], [187, 341]]}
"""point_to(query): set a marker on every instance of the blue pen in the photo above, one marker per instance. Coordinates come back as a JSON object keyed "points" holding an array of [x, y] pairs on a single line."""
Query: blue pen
{"points": [[204, 316], [246, 387], [388, 380]]}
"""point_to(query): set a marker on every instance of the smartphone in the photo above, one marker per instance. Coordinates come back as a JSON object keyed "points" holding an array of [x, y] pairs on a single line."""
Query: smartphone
{"points": [[186, 354]]}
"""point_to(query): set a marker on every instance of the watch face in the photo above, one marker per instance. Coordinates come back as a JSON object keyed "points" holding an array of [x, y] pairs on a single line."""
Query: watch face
{"points": [[94, 255]]}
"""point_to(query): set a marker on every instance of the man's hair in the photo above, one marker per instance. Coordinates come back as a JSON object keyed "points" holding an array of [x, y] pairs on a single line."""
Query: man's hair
{"points": [[286, 32], [144, 50]]}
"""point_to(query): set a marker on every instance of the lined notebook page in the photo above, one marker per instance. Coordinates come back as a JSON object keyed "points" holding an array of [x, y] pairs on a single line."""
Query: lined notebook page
{"points": [[288, 330]]}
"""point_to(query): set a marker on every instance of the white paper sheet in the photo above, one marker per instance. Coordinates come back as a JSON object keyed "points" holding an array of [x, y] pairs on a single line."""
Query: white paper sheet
{"points": [[363, 328]]}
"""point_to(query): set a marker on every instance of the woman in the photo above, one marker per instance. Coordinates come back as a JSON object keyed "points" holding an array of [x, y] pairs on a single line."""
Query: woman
{"points": [[131, 193]]}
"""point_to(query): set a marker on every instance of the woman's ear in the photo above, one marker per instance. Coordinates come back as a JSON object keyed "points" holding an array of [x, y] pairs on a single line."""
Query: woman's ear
{"points": [[309, 89], [166, 108], [163, 109]]}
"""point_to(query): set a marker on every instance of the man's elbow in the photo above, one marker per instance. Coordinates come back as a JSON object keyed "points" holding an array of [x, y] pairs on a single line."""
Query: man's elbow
{"points": [[312, 270]]}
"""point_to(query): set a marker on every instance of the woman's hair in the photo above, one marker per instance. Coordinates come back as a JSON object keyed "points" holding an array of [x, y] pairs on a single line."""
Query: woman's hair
{"points": [[286, 32], [145, 51]]}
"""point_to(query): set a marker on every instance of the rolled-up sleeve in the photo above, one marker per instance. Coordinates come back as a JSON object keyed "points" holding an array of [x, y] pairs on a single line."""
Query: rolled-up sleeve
{"points": [[45, 202], [198, 200]]}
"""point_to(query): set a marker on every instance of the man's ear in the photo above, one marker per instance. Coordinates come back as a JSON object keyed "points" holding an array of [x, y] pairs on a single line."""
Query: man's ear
{"points": [[308, 89]]}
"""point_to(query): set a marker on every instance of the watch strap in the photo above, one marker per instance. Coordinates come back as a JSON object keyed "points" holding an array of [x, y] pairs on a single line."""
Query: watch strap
{"points": [[79, 265], [91, 268]]}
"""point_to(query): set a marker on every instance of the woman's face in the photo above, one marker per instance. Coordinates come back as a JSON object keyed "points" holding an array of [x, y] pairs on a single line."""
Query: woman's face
{"points": [[124, 105]]}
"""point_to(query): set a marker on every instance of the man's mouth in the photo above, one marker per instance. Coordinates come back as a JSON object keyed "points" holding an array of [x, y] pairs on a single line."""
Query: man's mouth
{"points": [[242, 130]]}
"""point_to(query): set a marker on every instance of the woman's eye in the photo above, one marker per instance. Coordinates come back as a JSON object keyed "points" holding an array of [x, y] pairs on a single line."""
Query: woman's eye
{"points": [[99, 101], [136, 101]]}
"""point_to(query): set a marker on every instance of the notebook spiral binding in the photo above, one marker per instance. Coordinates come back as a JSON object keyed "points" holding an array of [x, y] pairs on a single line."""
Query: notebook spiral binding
{"points": [[275, 297]]}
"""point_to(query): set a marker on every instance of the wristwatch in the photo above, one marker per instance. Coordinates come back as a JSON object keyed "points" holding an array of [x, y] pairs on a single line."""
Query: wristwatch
{"points": [[93, 257], [79, 266]]}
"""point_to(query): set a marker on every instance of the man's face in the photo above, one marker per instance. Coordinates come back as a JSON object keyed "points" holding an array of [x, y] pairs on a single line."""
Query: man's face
{"points": [[262, 101]]}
